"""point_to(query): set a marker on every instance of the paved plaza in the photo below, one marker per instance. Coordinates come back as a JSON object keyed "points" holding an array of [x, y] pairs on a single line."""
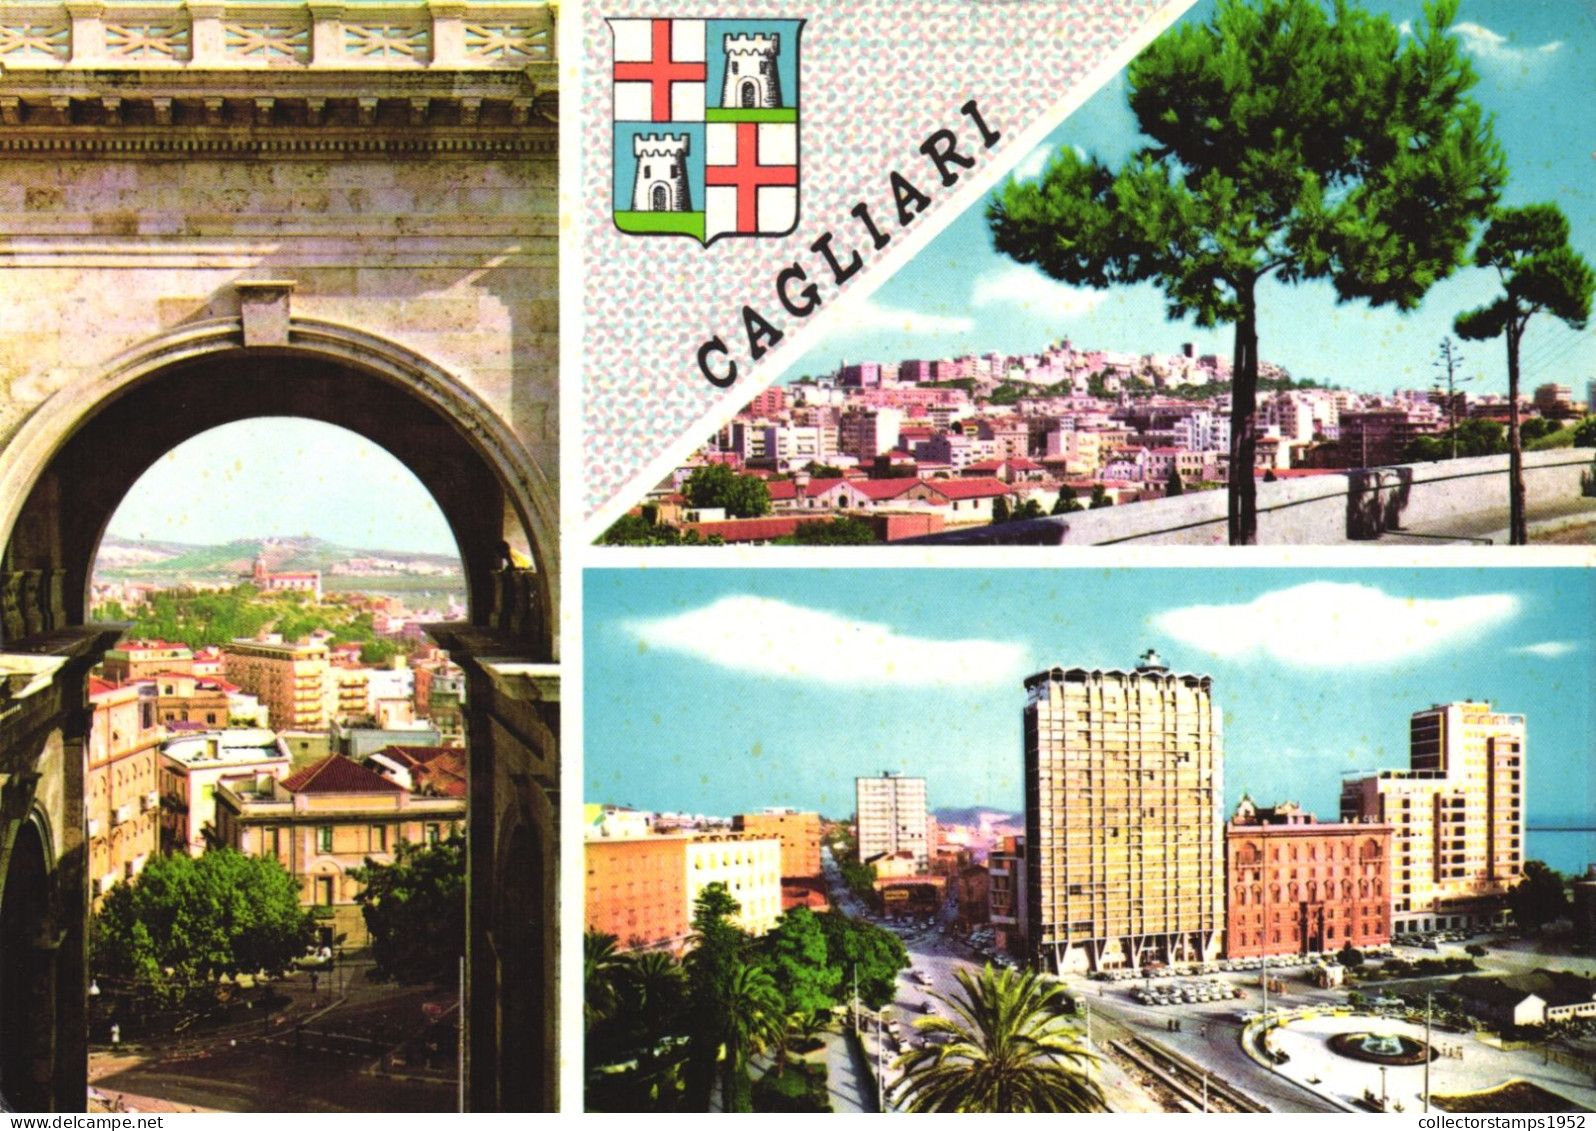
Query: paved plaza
{"points": [[1480, 1066]]}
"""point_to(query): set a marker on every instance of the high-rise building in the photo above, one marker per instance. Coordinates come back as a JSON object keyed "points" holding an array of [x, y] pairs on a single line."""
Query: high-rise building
{"points": [[1458, 812], [1123, 830], [892, 817]]}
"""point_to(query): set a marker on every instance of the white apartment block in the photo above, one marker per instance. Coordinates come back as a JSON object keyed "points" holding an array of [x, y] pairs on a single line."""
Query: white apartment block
{"points": [[1458, 812], [892, 817]]}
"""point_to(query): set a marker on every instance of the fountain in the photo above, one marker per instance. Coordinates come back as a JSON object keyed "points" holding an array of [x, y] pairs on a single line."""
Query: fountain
{"points": [[1381, 1048]]}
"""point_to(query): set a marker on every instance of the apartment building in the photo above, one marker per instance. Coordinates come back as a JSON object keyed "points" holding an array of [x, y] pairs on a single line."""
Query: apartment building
{"points": [[799, 834], [1123, 783], [289, 679], [891, 814], [324, 822], [1458, 816], [121, 785]]}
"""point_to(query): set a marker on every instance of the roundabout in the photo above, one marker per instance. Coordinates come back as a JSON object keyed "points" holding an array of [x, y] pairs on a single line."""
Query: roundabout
{"points": [[1381, 1048], [1364, 1062]]}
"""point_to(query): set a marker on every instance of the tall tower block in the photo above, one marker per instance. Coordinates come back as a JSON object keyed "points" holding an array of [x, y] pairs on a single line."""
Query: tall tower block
{"points": [[1123, 782], [752, 81], [660, 184]]}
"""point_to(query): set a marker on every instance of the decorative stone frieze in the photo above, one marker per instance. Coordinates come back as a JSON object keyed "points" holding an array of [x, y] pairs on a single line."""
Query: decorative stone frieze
{"points": [[309, 34]]}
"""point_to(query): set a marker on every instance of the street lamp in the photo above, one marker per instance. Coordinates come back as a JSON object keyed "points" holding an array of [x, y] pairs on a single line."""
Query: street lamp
{"points": [[1382, 1087]]}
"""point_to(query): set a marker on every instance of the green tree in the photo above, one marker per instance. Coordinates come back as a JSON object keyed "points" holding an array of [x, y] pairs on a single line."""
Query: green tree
{"points": [[716, 485], [1174, 485], [415, 911], [1004, 1048], [1585, 433], [196, 919], [1067, 502], [1283, 143], [865, 953], [637, 530], [795, 954], [1528, 247], [720, 950], [1350, 957], [1538, 898], [1027, 510], [841, 531], [1000, 509], [1100, 497], [753, 1016]]}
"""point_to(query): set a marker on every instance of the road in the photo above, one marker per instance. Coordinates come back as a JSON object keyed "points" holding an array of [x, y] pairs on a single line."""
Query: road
{"points": [[250, 1066], [940, 954]]}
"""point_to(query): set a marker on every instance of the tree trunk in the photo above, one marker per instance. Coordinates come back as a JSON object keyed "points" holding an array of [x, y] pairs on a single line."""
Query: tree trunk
{"points": [[1244, 423], [1518, 527]]}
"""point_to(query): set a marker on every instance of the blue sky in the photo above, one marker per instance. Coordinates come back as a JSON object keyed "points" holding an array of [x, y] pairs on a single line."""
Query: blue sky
{"points": [[718, 690], [1535, 59], [288, 476]]}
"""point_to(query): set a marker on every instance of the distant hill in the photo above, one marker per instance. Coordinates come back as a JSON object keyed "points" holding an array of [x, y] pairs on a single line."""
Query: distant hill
{"points": [[977, 815], [173, 563]]}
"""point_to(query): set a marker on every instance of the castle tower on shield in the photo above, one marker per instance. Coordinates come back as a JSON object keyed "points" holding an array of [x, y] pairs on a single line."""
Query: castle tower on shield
{"points": [[660, 184], [752, 81]]}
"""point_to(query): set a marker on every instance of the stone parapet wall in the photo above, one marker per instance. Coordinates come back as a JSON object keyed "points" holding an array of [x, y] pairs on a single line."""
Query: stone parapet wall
{"points": [[1431, 500]]}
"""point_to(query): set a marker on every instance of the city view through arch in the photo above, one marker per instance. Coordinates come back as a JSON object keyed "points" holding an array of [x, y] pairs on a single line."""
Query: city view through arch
{"points": [[276, 749]]}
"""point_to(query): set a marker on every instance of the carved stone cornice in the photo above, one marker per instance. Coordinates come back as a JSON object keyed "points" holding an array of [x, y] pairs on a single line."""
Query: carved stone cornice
{"points": [[299, 78], [304, 113]]}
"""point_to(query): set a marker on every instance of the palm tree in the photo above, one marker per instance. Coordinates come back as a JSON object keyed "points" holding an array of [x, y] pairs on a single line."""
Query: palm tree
{"points": [[604, 969], [753, 1016], [1003, 1048]]}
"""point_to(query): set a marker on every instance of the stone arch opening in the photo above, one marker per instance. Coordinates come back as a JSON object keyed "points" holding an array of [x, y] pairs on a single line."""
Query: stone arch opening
{"points": [[63, 475], [27, 982], [93, 442]]}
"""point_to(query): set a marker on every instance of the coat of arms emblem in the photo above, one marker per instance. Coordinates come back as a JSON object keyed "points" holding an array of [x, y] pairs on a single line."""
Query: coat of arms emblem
{"points": [[706, 127]]}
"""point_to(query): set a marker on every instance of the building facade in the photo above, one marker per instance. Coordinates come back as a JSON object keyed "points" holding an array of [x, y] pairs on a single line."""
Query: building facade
{"points": [[799, 834], [289, 679], [192, 766], [636, 890], [891, 813], [1123, 782], [121, 785], [1006, 894], [1458, 816], [749, 866], [139, 659], [324, 822], [1295, 886]]}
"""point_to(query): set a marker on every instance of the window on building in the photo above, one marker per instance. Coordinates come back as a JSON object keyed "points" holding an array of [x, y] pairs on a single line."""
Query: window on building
{"points": [[324, 838]]}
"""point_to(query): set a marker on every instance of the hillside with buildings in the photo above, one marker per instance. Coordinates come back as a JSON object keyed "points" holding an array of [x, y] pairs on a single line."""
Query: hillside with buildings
{"points": [[913, 448]]}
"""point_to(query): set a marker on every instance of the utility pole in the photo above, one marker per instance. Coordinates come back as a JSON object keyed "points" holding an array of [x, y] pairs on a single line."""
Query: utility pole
{"points": [[1087, 1003], [1451, 360], [1428, 996], [1266, 992]]}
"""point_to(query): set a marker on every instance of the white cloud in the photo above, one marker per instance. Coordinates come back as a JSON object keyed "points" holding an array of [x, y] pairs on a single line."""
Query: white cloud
{"points": [[1035, 161], [1014, 284], [1547, 649], [1332, 624], [1493, 47], [767, 637], [1405, 27], [870, 317]]}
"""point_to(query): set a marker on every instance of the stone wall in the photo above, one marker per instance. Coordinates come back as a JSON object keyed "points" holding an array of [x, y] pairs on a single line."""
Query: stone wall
{"points": [[1449, 498]]}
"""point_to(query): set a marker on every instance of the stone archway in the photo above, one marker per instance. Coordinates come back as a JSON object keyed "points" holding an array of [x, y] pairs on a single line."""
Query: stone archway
{"points": [[481, 479]]}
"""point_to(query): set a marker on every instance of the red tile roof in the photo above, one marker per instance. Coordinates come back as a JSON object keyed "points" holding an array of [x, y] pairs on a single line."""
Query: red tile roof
{"points": [[337, 774], [970, 488], [782, 490]]}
